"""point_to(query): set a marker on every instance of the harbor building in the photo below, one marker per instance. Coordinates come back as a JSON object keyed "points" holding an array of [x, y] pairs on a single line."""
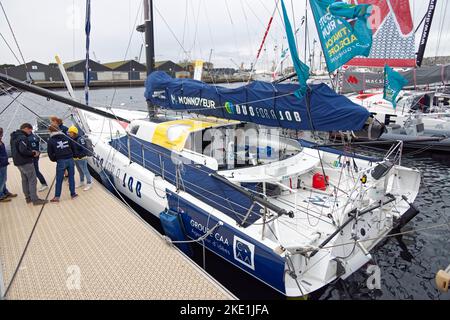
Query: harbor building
{"points": [[127, 70], [169, 67], [34, 71], [97, 72]]}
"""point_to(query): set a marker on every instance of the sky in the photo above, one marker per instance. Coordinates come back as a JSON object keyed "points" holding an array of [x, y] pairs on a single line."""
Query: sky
{"points": [[228, 31]]}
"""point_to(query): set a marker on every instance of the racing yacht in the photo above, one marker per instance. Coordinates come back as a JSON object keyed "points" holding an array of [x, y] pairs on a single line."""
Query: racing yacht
{"points": [[295, 218]]}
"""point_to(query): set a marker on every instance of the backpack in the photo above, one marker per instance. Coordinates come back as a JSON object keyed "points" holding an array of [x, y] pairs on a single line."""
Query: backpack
{"points": [[89, 146]]}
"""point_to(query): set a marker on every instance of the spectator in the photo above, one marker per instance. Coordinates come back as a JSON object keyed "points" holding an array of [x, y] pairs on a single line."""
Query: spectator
{"points": [[5, 195], [34, 141], [59, 123], [23, 155], [80, 157], [60, 150]]}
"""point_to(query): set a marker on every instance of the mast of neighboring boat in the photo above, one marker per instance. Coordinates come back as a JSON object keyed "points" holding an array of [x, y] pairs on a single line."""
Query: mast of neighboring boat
{"points": [[71, 92], [149, 48], [426, 31], [306, 32]]}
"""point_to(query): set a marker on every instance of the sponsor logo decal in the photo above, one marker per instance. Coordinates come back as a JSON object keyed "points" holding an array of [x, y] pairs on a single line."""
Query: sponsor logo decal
{"points": [[229, 107], [244, 252]]}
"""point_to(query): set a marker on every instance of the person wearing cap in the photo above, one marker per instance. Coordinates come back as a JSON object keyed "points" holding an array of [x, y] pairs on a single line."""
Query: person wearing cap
{"points": [[60, 150], [23, 155], [34, 141], [5, 195], [80, 157]]}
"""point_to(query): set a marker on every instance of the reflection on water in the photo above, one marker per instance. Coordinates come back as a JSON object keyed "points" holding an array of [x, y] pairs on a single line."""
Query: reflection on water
{"points": [[408, 264]]}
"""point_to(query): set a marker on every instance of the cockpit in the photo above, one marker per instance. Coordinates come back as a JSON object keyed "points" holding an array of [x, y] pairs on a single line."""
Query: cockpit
{"points": [[242, 145]]}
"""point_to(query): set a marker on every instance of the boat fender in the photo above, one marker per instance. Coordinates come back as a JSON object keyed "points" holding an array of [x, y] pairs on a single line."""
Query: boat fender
{"points": [[173, 228], [443, 279]]}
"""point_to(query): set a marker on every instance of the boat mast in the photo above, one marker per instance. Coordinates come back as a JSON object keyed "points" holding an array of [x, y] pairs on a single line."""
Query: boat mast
{"points": [[306, 31], [87, 75], [426, 31], [149, 48]]}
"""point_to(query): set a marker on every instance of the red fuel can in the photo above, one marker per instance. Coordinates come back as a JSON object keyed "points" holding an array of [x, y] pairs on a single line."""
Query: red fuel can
{"points": [[319, 182]]}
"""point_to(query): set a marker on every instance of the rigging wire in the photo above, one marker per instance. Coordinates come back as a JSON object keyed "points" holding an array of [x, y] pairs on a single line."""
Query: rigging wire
{"points": [[14, 37], [250, 38], [255, 62], [441, 27], [172, 32], [6, 108], [197, 20], [130, 39], [73, 32], [10, 49], [185, 26]]}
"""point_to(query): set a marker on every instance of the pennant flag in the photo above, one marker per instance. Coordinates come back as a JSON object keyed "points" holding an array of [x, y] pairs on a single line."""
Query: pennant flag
{"points": [[301, 69], [343, 29], [393, 84]]}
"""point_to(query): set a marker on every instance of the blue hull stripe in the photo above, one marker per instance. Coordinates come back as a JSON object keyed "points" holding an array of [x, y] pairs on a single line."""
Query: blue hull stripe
{"points": [[231, 244]]}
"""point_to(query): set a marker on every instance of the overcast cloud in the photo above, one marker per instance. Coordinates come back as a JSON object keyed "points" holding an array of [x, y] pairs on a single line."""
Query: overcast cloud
{"points": [[232, 28]]}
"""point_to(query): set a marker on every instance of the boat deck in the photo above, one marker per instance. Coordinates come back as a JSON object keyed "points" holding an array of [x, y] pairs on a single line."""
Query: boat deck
{"points": [[92, 247]]}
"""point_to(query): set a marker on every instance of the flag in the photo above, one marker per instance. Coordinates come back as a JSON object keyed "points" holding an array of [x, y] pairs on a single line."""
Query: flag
{"points": [[343, 29], [393, 84], [301, 69]]}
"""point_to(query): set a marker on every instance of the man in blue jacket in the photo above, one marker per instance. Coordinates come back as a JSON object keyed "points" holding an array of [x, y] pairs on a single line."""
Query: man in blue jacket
{"points": [[35, 143], [5, 195], [23, 155], [60, 150]]}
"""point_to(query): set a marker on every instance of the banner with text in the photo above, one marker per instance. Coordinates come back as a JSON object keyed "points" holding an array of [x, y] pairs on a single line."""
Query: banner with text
{"points": [[343, 30]]}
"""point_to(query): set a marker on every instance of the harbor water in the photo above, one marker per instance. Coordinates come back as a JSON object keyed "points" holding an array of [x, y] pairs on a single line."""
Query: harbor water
{"points": [[408, 264]]}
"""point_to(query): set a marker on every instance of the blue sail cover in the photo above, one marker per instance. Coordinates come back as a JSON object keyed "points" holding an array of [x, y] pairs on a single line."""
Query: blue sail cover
{"points": [[262, 103]]}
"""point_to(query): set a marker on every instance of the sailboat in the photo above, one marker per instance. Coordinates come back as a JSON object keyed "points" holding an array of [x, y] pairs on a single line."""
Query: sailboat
{"points": [[228, 176]]}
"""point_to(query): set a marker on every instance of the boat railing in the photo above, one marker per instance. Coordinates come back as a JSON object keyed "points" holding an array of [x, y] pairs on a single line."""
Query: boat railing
{"points": [[255, 199], [395, 153]]}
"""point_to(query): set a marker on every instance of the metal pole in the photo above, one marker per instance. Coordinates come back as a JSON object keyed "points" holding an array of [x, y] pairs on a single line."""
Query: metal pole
{"points": [[265, 213], [149, 36], [88, 43], [149, 48], [306, 29]]}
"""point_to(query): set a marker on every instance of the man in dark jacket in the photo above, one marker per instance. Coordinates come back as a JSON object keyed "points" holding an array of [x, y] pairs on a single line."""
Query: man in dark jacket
{"points": [[60, 150], [23, 155], [5, 195], [80, 154], [34, 141]]}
